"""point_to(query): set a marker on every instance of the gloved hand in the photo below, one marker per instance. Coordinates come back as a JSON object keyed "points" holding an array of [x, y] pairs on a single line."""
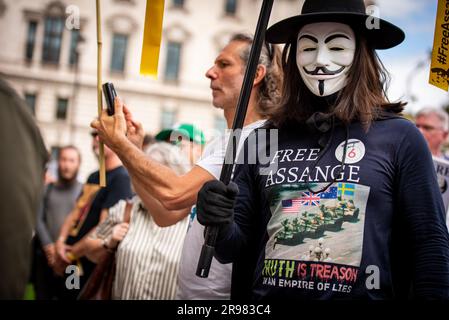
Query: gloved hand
{"points": [[215, 204]]}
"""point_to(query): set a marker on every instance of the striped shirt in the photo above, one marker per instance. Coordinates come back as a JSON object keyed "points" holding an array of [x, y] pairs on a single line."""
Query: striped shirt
{"points": [[148, 257]]}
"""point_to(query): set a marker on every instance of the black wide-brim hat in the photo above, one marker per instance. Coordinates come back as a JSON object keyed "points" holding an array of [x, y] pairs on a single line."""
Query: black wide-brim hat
{"points": [[350, 12]]}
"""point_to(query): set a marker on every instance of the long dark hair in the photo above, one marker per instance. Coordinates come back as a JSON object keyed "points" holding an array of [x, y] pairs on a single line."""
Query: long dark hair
{"points": [[362, 99]]}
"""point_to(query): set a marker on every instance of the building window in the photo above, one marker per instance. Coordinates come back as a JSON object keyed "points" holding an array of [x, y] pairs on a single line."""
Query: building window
{"points": [[31, 40], [75, 38], [54, 153], [2, 8], [30, 99], [173, 61], [52, 164], [119, 44], [54, 26], [168, 119], [61, 110], [231, 7], [178, 3], [220, 124]]}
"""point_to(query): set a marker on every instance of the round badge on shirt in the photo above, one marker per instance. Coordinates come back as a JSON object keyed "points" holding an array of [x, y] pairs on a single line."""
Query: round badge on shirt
{"points": [[354, 152]]}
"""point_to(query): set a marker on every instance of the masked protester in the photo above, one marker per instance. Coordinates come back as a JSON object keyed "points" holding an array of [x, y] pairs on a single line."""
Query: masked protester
{"points": [[347, 206]]}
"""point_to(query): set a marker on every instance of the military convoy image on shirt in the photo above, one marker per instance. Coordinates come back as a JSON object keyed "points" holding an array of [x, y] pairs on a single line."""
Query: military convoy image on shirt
{"points": [[313, 225], [323, 226]]}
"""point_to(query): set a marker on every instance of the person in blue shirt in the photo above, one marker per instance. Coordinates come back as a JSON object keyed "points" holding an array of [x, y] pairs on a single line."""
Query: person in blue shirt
{"points": [[347, 204]]}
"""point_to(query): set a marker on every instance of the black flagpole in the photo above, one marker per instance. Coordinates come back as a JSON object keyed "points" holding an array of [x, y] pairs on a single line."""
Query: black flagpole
{"points": [[207, 251]]}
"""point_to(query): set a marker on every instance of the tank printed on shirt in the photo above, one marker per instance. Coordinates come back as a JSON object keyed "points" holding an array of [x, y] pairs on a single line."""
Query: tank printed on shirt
{"points": [[315, 238]]}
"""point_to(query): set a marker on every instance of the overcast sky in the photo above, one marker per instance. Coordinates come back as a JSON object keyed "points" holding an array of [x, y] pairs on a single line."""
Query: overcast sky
{"points": [[417, 19]]}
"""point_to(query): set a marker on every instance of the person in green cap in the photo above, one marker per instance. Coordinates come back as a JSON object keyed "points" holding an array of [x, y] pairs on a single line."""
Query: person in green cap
{"points": [[190, 139]]}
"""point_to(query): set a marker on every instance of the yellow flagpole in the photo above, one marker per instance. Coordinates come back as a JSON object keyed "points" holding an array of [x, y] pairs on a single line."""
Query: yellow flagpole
{"points": [[99, 92], [154, 15]]}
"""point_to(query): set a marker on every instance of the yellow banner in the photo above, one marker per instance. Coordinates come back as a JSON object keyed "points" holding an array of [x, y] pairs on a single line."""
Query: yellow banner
{"points": [[152, 36], [439, 71]]}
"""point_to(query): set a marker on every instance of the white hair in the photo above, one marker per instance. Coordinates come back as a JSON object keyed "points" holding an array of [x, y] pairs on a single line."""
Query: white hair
{"points": [[170, 156], [441, 115]]}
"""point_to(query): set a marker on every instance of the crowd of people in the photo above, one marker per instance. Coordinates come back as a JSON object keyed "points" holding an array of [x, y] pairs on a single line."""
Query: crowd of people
{"points": [[349, 184]]}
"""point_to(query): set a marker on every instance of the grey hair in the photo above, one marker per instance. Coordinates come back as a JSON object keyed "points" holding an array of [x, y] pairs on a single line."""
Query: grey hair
{"points": [[169, 155], [271, 58], [441, 115]]}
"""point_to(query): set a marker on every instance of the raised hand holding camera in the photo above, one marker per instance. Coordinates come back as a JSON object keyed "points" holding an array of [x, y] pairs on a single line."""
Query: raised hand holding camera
{"points": [[109, 94]]}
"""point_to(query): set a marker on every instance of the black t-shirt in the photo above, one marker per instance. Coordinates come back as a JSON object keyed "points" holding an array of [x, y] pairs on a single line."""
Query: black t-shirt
{"points": [[118, 187], [375, 233]]}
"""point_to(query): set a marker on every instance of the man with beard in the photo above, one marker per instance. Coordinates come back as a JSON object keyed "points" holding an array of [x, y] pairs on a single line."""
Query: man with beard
{"points": [[91, 208], [58, 201]]}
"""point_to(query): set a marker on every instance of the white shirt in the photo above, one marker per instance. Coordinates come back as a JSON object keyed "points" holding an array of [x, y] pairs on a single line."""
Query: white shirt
{"points": [[218, 284]]}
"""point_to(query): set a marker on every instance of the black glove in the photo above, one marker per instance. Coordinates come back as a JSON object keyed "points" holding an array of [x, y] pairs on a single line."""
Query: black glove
{"points": [[215, 204]]}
